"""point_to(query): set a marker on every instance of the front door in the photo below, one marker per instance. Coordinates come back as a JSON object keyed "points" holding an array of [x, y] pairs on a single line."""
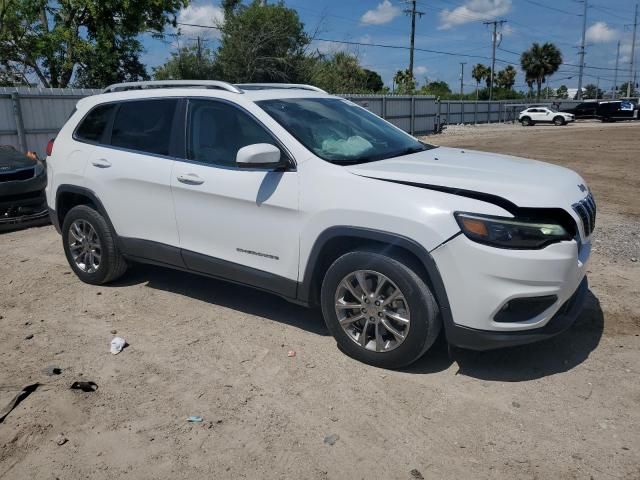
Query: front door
{"points": [[236, 223]]}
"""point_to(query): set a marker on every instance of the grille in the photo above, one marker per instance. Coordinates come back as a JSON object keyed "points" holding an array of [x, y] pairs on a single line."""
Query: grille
{"points": [[24, 174], [586, 210]]}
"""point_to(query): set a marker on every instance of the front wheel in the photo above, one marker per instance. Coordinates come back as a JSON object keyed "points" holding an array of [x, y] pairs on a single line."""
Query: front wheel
{"points": [[378, 309], [559, 120]]}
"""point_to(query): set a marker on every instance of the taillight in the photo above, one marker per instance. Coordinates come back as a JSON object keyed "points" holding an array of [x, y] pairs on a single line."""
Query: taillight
{"points": [[50, 147]]}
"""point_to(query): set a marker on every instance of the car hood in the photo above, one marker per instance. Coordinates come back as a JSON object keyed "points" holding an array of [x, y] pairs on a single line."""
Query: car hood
{"points": [[522, 182], [11, 159]]}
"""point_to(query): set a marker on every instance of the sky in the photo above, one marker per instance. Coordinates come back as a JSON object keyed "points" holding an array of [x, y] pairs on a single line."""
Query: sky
{"points": [[448, 27]]}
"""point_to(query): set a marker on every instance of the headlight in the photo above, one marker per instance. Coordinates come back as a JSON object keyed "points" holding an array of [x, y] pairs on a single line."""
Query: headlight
{"points": [[504, 232]]}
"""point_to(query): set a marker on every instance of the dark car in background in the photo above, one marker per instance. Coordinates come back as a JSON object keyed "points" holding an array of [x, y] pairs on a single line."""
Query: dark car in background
{"points": [[22, 182], [614, 110], [583, 110]]}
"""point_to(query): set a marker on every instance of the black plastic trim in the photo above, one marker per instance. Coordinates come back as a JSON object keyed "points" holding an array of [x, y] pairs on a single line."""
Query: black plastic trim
{"points": [[90, 194], [524, 308], [157, 252], [473, 339], [241, 274], [53, 218], [391, 239]]}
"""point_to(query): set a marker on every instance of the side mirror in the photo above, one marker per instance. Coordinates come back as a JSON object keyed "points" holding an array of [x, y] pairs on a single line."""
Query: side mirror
{"points": [[258, 155]]}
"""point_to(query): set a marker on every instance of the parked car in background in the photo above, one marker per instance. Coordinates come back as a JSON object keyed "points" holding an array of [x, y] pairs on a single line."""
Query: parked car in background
{"points": [[23, 179], [583, 110], [533, 115], [615, 110]]}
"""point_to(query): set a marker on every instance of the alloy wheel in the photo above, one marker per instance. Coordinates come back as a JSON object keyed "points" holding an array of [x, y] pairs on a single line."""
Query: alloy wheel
{"points": [[372, 311], [84, 245]]}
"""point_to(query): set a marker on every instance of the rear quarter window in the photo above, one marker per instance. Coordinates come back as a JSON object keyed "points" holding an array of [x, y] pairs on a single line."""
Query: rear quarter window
{"points": [[92, 126]]}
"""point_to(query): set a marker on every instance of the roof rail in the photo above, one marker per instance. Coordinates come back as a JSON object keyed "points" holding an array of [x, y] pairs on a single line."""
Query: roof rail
{"points": [[122, 87], [264, 86]]}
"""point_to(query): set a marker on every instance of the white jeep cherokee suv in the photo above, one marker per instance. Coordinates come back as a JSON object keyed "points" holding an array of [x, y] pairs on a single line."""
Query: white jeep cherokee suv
{"points": [[297, 192]]}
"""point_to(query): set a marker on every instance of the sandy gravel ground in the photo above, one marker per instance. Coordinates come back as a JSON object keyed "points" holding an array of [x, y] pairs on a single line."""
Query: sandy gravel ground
{"points": [[566, 408]]}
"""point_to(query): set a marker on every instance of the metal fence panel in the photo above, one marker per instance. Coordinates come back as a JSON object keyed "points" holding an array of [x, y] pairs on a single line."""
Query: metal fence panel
{"points": [[29, 117]]}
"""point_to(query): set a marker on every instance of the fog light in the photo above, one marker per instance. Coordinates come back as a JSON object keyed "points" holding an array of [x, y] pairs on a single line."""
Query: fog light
{"points": [[523, 309]]}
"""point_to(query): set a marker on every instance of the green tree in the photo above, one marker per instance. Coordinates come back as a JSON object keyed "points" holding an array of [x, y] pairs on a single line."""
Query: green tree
{"points": [[374, 81], [94, 42], [622, 90], [262, 43], [339, 73], [479, 72], [562, 92], [437, 88], [506, 78], [405, 82], [540, 62], [188, 63], [548, 92], [592, 91]]}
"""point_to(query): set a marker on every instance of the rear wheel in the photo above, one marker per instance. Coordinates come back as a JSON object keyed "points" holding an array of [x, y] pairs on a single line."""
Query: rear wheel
{"points": [[559, 120], [90, 247], [378, 309], [526, 121]]}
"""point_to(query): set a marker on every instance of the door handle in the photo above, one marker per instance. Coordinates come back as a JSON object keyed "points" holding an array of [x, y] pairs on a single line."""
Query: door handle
{"points": [[101, 163], [190, 179]]}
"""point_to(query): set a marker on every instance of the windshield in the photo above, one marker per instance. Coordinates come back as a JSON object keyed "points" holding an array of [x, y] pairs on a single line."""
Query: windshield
{"points": [[339, 131]]}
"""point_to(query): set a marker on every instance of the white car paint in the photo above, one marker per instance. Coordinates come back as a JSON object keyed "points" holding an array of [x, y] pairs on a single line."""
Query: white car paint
{"points": [[230, 211], [545, 115]]}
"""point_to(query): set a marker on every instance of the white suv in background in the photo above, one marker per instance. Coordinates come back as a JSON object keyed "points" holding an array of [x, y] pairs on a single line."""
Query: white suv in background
{"points": [[297, 192], [534, 115]]}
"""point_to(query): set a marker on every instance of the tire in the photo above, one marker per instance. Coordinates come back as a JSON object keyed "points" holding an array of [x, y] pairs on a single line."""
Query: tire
{"points": [[415, 304], [111, 263], [559, 120], [526, 122]]}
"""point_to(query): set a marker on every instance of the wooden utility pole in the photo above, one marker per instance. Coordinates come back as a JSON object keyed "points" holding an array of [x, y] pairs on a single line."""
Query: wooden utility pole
{"points": [[413, 12], [495, 42], [633, 54], [615, 73], [581, 53]]}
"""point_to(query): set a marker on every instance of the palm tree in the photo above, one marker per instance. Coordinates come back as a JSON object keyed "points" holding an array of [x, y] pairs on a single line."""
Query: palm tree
{"points": [[539, 62], [479, 72], [506, 78], [405, 82]]}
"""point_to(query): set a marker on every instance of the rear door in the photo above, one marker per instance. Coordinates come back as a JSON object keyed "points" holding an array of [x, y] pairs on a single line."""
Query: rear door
{"points": [[130, 172], [233, 222]]}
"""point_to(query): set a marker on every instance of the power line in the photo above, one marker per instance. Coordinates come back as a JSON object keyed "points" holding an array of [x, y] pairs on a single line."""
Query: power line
{"points": [[563, 63], [559, 10]]}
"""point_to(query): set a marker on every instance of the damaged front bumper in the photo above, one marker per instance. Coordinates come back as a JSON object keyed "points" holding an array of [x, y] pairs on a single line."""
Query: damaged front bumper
{"points": [[23, 203]]}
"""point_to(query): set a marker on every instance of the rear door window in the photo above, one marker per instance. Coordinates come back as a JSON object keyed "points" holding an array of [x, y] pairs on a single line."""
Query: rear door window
{"points": [[144, 125], [93, 125]]}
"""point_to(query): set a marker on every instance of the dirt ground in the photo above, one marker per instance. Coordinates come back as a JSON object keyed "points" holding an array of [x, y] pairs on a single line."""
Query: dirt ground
{"points": [[565, 408]]}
